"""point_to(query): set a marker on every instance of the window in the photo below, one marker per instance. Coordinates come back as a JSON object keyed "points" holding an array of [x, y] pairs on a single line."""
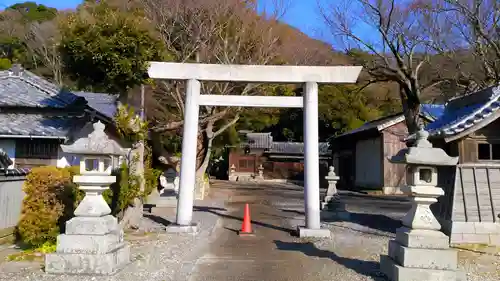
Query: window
{"points": [[487, 151], [37, 148], [246, 164]]}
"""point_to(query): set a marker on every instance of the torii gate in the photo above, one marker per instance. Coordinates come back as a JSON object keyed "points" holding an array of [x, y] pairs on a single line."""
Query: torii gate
{"points": [[309, 75]]}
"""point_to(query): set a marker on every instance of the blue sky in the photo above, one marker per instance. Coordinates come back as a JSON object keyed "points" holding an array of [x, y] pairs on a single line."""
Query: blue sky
{"points": [[302, 14]]}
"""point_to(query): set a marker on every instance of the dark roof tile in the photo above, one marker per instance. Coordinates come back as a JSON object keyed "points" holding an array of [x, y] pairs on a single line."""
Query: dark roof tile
{"points": [[105, 104], [29, 90], [37, 125], [462, 113]]}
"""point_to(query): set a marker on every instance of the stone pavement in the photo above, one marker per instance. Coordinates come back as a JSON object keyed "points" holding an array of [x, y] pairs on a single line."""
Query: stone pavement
{"points": [[273, 254], [218, 253]]}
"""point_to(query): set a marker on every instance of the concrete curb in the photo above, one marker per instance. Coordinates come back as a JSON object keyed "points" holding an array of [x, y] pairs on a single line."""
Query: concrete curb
{"points": [[487, 251], [400, 198]]}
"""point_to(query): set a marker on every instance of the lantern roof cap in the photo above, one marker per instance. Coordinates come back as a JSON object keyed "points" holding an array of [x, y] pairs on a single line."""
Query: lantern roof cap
{"points": [[96, 143], [422, 153]]}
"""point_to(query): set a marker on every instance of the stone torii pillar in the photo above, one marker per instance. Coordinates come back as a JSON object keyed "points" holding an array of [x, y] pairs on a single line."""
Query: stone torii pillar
{"points": [[309, 76]]}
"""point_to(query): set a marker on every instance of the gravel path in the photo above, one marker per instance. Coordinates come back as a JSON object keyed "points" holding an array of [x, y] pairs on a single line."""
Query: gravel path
{"points": [[155, 256], [358, 249], [352, 254]]}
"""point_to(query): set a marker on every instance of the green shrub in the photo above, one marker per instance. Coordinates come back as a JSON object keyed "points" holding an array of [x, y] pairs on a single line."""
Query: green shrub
{"points": [[127, 187], [50, 200]]}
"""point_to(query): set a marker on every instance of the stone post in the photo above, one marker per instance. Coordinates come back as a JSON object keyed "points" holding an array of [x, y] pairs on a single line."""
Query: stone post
{"points": [[332, 202], [188, 159], [311, 165], [93, 242], [261, 172], [232, 171], [421, 251]]}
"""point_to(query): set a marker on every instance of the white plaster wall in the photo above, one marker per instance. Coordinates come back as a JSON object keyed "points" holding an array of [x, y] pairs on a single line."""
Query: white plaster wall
{"points": [[368, 164], [9, 146]]}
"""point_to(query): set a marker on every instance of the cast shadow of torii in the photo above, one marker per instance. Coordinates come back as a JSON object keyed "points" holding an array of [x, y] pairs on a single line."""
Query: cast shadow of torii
{"points": [[366, 268], [218, 212]]}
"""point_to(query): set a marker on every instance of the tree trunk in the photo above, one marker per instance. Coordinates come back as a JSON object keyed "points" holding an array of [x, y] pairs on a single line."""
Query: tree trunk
{"points": [[206, 160], [412, 117], [411, 107], [133, 214], [208, 137]]}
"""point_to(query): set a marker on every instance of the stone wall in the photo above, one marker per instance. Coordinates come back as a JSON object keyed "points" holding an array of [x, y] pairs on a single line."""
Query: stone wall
{"points": [[470, 208]]}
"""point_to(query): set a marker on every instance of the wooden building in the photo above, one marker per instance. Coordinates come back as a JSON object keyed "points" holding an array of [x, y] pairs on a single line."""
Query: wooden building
{"points": [[361, 156], [280, 160], [470, 129]]}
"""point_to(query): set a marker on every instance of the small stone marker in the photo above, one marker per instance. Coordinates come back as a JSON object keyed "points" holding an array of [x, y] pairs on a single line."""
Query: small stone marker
{"points": [[421, 251], [93, 242], [332, 202]]}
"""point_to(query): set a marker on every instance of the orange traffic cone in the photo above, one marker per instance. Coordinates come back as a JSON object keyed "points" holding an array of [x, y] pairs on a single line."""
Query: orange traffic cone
{"points": [[246, 226]]}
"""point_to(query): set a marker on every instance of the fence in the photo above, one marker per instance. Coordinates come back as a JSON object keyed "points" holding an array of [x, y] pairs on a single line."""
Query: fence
{"points": [[11, 197], [470, 208]]}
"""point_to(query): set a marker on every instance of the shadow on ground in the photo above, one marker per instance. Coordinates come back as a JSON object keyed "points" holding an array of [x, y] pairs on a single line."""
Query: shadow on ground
{"points": [[157, 219], [366, 268], [373, 221], [218, 212]]}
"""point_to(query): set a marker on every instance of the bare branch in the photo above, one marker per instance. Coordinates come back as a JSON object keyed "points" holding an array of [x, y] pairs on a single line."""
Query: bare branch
{"points": [[43, 39]]}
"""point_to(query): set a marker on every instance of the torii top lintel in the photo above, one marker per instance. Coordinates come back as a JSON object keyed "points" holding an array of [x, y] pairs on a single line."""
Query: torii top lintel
{"points": [[254, 73]]}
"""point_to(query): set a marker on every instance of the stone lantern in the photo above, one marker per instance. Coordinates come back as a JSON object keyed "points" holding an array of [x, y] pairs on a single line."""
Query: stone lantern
{"points": [[93, 242], [261, 172], [421, 251], [332, 202]]}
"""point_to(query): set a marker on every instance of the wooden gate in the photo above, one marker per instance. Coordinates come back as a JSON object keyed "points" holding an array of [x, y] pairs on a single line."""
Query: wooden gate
{"points": [[246, 164]]}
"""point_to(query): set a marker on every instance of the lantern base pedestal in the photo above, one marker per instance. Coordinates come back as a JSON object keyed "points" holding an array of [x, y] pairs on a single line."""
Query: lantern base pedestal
{"points": [[91, 245], [177, 228], [93, 264], [396, 272], [420, 255], [304, 232]]}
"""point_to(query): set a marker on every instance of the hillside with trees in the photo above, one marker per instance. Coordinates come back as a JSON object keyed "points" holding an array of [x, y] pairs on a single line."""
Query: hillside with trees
{"points": [[417, 52], [104, 47]]}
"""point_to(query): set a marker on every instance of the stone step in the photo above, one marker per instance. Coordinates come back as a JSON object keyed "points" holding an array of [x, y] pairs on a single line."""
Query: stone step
{"points": [[89, 244], [396, 272], [419, 238], [91, 225], [444, 259]]}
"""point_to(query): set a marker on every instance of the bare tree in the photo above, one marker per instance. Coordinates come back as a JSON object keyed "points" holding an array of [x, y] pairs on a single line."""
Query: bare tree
{"points": [[212, 31], [390, 39], [468, 33], [42, 40], [11, 27]]}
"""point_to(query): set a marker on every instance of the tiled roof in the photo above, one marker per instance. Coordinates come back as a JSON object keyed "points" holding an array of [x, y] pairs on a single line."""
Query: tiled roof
{"points": [[430, 111], [258, 140], [27, 89], [265, 141], [101, 102], [296, 148], [37, 125], [375, 124], [465, 112], [5, 160], [21, 88]]}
